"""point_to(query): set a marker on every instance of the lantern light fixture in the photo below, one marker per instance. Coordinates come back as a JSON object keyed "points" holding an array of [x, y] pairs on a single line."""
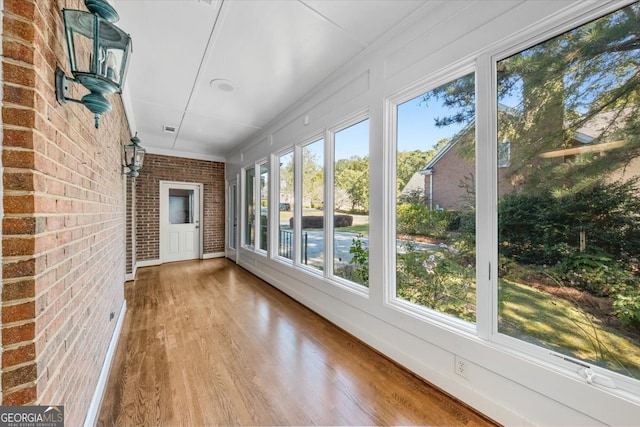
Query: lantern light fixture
{"points": [[98, 55], [133, 157]]}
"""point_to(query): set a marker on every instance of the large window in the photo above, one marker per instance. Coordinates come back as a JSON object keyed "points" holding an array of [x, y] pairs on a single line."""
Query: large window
{"points": [[568, 222], [250, 207], [435, 201], [313, 205], [286, 208], [351, 203], [264, 205]]}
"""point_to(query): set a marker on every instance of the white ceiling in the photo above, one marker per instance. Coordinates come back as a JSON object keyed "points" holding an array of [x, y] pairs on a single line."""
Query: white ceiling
{"points": [[221, 70]]}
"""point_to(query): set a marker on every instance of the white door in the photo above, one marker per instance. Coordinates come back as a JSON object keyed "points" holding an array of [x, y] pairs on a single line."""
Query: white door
{"points": [[180, 232], [232, 219]]}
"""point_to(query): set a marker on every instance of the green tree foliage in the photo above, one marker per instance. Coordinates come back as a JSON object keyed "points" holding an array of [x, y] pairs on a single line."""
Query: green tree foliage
{"points": [[554, 90], [312, 179], [352, 175]]}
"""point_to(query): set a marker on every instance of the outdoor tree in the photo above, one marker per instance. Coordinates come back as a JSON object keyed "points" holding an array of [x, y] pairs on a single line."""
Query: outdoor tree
{"points": [[586, 81], [352, 175]]}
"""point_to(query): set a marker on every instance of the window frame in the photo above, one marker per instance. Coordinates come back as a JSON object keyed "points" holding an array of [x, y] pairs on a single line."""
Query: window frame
{"points": [[487, 220], [390, 300], [353, 119], [298, 195]]}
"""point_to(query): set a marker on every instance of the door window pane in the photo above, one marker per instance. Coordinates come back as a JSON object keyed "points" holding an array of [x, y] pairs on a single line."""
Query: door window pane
{"points": [[180, 206], [250, 208], [313, 205], [351, 204], [568, 223], [286, 208], [435, 200]]}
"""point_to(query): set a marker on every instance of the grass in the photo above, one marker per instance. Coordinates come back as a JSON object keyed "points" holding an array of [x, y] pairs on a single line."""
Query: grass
{"points": [[557, 324], [356, 228]]}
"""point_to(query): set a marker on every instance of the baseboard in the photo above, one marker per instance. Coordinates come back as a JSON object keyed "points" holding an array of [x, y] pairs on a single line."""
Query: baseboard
{"points": [[214, 255], [148, 263], [92, 415]]}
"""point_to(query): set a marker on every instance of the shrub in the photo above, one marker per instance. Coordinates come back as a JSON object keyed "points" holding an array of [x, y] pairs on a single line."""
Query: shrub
{"points": [[310, 221], [417, 219]]}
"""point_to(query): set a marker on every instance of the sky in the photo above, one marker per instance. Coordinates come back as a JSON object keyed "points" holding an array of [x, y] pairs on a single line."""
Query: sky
{"points": [[416, 130]]}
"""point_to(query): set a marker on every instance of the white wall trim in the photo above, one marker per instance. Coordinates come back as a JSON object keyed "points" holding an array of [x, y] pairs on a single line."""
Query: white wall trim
{"points": [[214, 255], [92, 415], [148, 263]]}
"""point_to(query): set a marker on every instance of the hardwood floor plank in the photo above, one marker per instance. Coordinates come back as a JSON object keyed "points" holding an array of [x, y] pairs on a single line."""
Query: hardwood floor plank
{"points": [[207, 343]]}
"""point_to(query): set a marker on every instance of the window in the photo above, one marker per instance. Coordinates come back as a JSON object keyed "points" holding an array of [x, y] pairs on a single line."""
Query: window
{"points": [[351, 203], [313, 204], [435, 200], [286, 207], [264, 205], [250, 207], [180, 206], [568, 224]]}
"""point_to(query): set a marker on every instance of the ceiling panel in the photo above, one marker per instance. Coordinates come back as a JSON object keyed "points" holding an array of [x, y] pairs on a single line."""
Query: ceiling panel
{"points": [[262, 57]]}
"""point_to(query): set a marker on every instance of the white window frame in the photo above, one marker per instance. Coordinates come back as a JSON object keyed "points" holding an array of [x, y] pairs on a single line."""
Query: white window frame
{"points": [[258, 206], [487, 200], [298, 192], [449, 74], [357, 117], [275, 235]]}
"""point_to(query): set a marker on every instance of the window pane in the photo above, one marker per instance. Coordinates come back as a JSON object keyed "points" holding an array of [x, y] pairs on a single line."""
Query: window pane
{"points": [[287, 204], [313, 205], [250, 208], [180, 206], [435, 200], [351, 199], [264, 205], [569, 229]]}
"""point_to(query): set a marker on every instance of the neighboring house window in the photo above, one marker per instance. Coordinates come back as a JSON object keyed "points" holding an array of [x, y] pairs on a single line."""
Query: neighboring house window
{"points": [[286, 202], [313, 204], [250, 207], [435, 249], [568, 238], [263, 198], [351, 203]]}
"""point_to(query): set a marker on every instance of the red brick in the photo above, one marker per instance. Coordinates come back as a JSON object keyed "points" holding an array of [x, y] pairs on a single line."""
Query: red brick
{"points": [[24, 396], [18, 290], [19, 74], [19, 117], [19, 29], [19, 246], [19, 95], [23, 8], [18, 312], [18, 204], [18, 159], [18, 355], [17, 334]]}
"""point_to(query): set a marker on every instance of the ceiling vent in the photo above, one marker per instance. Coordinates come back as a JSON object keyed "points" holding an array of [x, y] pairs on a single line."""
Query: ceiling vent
{"points": [[169, 129]]}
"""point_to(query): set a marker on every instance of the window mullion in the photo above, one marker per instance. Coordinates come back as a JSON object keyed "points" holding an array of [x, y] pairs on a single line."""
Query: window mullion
{"points": [[486, 229]]}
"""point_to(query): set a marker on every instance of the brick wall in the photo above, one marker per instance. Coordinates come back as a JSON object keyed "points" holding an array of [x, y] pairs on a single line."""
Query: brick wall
{"points": [[158, 168], [63, 225]]}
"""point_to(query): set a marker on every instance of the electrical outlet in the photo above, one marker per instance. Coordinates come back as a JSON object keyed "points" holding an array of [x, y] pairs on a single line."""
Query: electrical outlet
{"points": [[460, 367]]}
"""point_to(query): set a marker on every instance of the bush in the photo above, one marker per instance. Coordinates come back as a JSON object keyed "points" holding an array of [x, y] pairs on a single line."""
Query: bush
{"points": [[545, 229], [310, 221], [417, 219]]}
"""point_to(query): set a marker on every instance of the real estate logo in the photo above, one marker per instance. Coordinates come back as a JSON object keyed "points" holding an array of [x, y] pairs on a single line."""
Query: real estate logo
{"points": [[31, 416]]}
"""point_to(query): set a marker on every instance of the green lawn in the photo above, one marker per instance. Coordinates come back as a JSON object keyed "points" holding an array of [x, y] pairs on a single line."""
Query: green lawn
{"points": [[555, 323]]}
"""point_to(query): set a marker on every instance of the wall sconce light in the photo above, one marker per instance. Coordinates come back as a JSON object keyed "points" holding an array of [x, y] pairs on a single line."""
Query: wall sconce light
{"points": [[133, 157], [98, 53]]}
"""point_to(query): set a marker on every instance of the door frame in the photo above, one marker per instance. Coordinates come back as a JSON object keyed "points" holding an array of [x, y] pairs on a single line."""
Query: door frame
{"points": [[164, 208], [232, 253]]}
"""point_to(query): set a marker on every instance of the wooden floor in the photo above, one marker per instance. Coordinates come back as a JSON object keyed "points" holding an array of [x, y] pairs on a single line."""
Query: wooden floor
{"points": [[206, 343]]}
